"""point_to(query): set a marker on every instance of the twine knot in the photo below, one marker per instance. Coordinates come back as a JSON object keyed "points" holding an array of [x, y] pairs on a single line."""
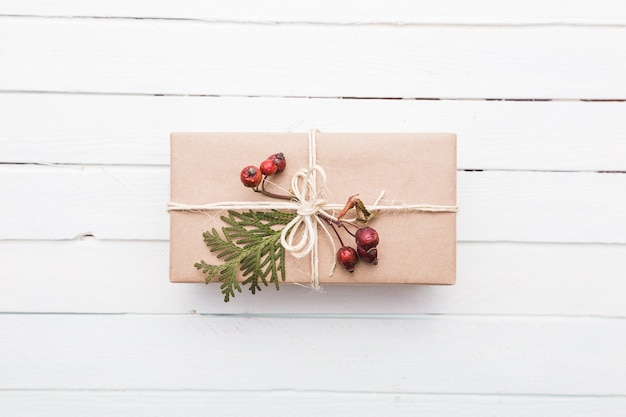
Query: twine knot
{"points": [[299, 236]]}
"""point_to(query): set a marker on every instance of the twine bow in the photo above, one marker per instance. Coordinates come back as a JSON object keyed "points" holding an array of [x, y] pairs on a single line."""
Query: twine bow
{"points": [[303, 228]]}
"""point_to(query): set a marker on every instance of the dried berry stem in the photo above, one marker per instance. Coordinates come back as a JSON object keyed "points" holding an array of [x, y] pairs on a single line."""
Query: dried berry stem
{"points": [[343, 224], [332, 225], [271, 194]]}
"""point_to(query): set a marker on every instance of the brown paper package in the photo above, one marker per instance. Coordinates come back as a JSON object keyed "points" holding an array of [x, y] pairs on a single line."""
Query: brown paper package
{"points": [[412, 168]]}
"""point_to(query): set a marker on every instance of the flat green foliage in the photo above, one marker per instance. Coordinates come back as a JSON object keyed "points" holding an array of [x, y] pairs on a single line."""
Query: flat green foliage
{"points": [[251, 244]]}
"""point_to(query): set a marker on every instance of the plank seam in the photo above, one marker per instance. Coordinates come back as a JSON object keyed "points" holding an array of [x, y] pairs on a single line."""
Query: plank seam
{"points": [[140, 94], [335, 316], [356, 23], [135, 165], [313, 392], [89, 235]]}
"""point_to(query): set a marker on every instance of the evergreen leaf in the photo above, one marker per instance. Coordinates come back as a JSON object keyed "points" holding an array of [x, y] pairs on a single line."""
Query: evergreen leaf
{"points": [[250, 243]]}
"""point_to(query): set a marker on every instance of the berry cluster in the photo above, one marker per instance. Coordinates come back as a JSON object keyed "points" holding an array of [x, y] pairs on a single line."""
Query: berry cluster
{"points": [[366, 241], [251, 176]]}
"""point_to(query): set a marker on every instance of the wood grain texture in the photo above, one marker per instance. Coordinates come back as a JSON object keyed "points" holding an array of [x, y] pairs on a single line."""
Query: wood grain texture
{"points": [[91, 276], [303, 404], [128, 202], [87, 129], [181, 57], [530, 356], [395, 12]]}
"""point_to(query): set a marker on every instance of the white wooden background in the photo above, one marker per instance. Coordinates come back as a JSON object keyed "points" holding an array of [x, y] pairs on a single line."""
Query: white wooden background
{"points": [[89, 92]]}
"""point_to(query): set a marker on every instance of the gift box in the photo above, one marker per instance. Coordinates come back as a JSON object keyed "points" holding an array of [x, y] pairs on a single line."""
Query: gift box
{"points": [[416, 246]]}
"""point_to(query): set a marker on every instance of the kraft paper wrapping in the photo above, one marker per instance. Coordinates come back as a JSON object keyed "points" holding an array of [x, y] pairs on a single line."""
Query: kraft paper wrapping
{"points": [[412, 168]]}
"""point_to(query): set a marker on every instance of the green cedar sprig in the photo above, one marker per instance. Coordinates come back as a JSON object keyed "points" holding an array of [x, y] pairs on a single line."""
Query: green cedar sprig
{"points": [[251, 243]]}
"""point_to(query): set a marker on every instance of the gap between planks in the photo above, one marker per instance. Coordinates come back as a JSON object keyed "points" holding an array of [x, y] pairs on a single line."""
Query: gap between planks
{"points": [[270, 96], [279, 391], [139, 165], [56, 402], [549, 317], [502, 24]]}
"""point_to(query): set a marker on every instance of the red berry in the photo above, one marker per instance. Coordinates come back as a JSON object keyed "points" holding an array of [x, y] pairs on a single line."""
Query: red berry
{"points": [[251, 176], [347, 257], [279, 160], [268, 167], [370, 256], [366, 238]]}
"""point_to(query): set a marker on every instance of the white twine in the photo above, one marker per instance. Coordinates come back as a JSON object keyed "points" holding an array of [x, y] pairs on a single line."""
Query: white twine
{"points": [[300, 235], [304, 225], [293, 206]]}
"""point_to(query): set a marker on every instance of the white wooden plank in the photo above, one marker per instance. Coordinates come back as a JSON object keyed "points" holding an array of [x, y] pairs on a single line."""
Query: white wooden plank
{"points": [[542, 207], [301, 404], [90, 276], [531, 356], [66, 201], [128, 202], [87, 129], [327, 11], [182, 57]]}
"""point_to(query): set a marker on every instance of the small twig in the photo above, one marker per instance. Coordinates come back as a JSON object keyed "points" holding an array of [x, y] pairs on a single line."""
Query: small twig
{"points": [[343, 224], [271, 194], [332, 225]]}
